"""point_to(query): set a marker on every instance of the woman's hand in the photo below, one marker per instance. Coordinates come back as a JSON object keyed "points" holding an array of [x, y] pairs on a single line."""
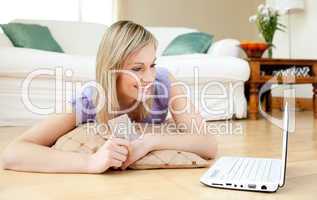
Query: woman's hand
{"points": [[113, 153], [139, 148]]}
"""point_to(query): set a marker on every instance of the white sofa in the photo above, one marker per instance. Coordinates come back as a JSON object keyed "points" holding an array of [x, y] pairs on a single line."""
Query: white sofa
{"points": [[80, 42]]}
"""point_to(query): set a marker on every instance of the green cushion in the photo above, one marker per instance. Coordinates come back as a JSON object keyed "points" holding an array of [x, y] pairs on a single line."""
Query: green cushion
{"points": [[189, 43], [31, 36]]}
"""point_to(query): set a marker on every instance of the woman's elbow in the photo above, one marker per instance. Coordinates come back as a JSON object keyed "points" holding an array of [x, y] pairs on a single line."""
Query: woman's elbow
{"points": [[8, 158], [211, 147], [212, 153]]}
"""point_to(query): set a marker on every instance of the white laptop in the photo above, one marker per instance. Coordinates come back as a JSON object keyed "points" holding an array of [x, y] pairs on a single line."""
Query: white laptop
{"points": [[246, 173]]}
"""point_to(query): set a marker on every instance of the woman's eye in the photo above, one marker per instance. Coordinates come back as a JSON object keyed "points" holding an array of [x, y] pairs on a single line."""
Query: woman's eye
{"points": [[153, 65], [136, 69]]}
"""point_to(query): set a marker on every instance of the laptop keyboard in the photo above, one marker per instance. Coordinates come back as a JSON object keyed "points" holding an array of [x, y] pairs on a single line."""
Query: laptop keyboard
{"points": [[249, 169]]}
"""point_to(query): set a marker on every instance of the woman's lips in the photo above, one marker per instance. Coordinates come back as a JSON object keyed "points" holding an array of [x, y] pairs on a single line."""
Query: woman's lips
{"points": [[144, 89]]}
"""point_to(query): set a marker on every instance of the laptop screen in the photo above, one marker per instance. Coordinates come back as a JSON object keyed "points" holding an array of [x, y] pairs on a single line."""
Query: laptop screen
{"points": [[285, 142]]}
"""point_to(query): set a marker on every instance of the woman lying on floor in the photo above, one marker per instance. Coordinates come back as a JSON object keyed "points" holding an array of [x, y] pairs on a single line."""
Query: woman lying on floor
{"points": [[128, 47]]}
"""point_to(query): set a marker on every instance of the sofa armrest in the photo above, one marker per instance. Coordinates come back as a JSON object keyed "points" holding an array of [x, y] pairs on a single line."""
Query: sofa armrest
{"points": [[225, 47]]}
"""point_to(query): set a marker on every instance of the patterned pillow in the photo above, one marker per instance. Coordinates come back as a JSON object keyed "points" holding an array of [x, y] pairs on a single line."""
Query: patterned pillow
{"points": [[85, 139], [169, 159]]}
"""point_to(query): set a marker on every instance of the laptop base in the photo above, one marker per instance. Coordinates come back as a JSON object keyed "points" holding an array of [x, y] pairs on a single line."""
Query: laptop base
{"points": [[244, 173]]}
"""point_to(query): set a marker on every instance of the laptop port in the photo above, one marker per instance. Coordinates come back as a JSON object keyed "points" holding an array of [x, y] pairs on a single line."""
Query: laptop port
{"points": [[252, 186], [217, 184], [228, 184], [263, 187]]}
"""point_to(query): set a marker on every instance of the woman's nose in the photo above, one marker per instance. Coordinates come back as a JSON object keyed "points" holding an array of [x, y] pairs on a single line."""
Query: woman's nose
{"points": [[148, 76]]}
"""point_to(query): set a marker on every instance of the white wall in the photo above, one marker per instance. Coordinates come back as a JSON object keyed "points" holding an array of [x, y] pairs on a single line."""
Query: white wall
{"points": [[223, 18], [303, 39]]}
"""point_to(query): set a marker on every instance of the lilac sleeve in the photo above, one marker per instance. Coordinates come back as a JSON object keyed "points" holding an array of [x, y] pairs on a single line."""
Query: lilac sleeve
{"points": [[162, 86], [84, 107]]}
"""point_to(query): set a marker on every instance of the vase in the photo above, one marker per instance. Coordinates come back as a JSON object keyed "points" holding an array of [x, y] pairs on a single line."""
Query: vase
{"points": [[270, 49], [270, 52], [269, 40]]}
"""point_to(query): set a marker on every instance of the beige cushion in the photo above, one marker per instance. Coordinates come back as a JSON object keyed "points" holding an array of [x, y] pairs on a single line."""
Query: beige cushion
{"points": [[169, 159], [81, 139], [85, 139]]}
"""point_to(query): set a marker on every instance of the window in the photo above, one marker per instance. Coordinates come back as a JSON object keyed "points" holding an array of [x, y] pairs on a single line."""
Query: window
{"points": [[96, 11]]}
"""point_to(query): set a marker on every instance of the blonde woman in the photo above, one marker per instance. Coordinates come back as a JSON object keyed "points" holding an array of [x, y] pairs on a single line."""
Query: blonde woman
{"points": [[126, 47]]}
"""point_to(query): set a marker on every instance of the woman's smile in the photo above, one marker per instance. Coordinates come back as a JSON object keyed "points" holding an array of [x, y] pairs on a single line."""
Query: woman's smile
{"points": [[144, 91]]}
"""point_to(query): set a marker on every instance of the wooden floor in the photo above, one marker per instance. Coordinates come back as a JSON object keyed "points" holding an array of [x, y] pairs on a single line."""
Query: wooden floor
{"points": [[257, 138]]}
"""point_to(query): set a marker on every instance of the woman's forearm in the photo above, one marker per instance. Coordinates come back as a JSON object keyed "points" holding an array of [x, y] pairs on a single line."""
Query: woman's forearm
{"points": [[203, 145], [25, 156]]}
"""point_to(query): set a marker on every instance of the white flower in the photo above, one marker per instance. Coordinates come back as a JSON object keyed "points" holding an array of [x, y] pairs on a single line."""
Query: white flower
{"points": [[273, 11], [265, 11], [253, 19], [260, 8]]}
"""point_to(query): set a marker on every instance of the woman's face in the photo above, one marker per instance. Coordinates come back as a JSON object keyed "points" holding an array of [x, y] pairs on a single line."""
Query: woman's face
{"points": [[139, 75]]}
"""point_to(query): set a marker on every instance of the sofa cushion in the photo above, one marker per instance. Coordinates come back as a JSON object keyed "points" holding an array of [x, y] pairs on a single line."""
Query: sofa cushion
{"points": [[31, 36], [83, 67], [189, 43], [225, 47], [212, 68]]}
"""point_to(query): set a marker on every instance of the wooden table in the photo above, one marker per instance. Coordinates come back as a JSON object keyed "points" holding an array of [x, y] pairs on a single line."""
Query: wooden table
{"points": [[262, 72], [259, 138]]}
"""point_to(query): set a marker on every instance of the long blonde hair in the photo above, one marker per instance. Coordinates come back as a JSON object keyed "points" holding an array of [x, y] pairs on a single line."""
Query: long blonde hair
{"points": [[120, 40]]}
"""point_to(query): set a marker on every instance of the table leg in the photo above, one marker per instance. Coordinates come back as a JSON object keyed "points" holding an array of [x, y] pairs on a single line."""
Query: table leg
{"points": [[315, 99], [253, 101]]}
